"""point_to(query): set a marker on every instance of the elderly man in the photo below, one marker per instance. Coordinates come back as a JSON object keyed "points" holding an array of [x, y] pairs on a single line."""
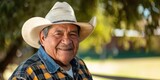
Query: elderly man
{"points": [[57, 38]]}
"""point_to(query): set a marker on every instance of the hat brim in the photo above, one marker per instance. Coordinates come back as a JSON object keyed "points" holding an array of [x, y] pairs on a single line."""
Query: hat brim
{"points": [[33, 26]]}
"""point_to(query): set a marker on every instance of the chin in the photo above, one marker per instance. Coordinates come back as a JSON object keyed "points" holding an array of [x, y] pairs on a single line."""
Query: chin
{"points": [[66, 61]]}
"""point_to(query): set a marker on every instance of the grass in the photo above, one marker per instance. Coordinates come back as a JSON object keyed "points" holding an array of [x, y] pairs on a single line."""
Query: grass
{"points": [[148, 68]]}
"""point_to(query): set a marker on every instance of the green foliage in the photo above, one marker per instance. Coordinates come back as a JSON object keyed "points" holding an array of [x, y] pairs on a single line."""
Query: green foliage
{"points": [[140, 15], [14, 13]]}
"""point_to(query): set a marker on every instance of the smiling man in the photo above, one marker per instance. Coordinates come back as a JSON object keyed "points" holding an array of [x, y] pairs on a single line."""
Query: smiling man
{"points": [[57, 37], [61, 43]]}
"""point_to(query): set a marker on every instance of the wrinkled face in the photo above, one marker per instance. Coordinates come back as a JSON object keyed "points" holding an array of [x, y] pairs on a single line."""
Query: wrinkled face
{"points": [[61, 42]]}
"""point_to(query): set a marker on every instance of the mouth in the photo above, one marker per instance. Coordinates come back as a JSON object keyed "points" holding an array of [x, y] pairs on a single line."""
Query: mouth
{"points": [[65, 49]]}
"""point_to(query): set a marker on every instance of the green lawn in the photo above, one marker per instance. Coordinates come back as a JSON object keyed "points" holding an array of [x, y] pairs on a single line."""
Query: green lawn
{"points": [[148, 68]]}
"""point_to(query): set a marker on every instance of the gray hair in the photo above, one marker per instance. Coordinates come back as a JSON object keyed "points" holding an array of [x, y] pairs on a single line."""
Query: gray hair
{"points": [[45, 31]]}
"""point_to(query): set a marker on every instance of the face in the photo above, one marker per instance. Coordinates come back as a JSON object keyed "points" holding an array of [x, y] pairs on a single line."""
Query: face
{"points": [[61, 42]]}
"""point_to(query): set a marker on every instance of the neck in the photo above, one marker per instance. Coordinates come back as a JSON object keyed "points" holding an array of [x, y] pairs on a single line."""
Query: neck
{"points": [[66, 67]]}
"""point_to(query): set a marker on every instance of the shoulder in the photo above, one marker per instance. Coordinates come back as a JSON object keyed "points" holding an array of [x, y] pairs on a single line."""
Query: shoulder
{"points": [[80, 61], [83, 70], [33, 60], [24, 66]]}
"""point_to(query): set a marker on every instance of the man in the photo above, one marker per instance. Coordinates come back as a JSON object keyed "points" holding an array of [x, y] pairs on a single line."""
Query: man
{"points": [[57, 36]]}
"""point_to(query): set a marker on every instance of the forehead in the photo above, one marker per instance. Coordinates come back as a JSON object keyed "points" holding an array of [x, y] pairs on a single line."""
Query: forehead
{"points": [[64, 26]]}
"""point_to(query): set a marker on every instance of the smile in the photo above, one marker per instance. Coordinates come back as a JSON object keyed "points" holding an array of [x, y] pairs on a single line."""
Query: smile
{"points": [[65, 49]]}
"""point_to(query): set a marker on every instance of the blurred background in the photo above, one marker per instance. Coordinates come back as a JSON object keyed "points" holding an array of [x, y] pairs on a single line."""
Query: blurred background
{"points": [[125, 44]]}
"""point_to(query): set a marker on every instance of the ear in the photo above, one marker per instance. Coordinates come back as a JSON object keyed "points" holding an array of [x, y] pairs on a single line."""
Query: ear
{"points": [[41, 38]]}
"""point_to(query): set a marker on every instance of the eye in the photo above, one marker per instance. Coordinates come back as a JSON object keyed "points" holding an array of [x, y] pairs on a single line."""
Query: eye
{"points": [[58, 34], [74, 35]]}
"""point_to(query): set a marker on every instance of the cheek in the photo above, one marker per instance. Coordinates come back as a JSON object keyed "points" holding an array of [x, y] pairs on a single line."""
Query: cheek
{"points": [[76, 44], [50, 48], [53, 41], [50, 45]]}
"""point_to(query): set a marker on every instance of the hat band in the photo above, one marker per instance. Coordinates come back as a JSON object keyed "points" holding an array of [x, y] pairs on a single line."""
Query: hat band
{"points": [[63, 21]]}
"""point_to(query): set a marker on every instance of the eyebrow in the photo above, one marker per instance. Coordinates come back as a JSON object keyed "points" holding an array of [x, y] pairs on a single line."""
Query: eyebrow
{"points": [[59, 30], [76, 31]]}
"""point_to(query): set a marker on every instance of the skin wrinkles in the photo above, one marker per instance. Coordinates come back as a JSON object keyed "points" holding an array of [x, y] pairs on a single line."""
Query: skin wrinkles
{"points": [[61, 43]]}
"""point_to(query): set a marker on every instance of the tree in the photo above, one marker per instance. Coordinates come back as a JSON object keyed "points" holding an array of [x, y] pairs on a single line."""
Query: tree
{"points": [[142, 16]]}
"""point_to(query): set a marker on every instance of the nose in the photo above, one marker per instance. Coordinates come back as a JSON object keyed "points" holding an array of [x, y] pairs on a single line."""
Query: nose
{"points": [[66, 40]]}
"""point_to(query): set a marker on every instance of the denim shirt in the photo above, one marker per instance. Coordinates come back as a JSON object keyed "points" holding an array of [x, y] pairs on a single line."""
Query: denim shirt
{"points": [[50, 64]]}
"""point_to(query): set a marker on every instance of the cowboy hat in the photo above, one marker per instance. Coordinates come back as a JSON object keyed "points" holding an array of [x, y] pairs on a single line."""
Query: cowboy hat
{"points": [[60, 13]]}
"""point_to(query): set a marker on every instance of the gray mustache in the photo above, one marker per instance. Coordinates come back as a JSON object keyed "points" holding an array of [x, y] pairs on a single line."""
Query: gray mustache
{"points": [[65, 47]]}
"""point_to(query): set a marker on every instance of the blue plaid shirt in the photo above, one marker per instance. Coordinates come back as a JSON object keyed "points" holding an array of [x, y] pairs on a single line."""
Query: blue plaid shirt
{"points": [[42, 67]]}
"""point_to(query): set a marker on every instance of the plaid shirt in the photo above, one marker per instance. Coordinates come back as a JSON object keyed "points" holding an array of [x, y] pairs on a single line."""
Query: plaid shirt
{"points": [[42, 67]]}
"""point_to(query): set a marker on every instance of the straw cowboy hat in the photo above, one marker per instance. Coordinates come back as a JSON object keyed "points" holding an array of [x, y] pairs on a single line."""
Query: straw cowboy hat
{"points": [[60, 13]]}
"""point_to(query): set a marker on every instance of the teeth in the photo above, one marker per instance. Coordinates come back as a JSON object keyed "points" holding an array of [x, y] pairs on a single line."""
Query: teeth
{"points": [[65, 49]]}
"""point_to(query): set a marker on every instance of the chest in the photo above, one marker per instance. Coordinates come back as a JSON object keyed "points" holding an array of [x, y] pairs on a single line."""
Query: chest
{"points": [[44, 74]]}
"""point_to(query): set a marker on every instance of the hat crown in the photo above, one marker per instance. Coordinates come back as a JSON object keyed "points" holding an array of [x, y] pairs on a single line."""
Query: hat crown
{"points": [[61, 11]]}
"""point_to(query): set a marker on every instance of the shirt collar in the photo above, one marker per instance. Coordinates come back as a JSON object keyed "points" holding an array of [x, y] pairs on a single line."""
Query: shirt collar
{"points": [[50, 64]]}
